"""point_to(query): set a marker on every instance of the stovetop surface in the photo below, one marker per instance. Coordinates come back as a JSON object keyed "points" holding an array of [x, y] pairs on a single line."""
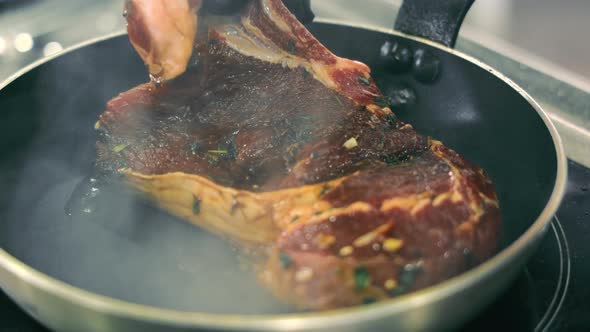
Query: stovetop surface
{"points": [[551, 294]]}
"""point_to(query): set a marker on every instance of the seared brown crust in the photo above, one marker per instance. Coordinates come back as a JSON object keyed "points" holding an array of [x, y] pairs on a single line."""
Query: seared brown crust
{"points": [[292, 112], [425, 217], [272, 140]]}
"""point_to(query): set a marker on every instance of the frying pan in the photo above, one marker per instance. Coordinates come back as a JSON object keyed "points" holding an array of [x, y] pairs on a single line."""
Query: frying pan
{"points": [[127, 267]]}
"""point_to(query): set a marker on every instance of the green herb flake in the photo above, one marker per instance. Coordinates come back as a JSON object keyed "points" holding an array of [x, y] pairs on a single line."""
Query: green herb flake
{"points": [[364, 81], [339, 101], [292, 46], [381, 145], [286, 260], [232, 149], [317, 213], [409, 274], [369, 300], [391, 120], [362, 279], [235, 205], [194, 148], [381, 101], [213, 159], [407, 278], [294, 219], [399, 290], [391, 160], [196, 206], [219, 152], [305, 73], [120, 148], [325, 189]]}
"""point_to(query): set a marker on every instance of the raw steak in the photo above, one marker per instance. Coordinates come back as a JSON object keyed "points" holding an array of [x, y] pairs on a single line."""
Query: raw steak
{"points": [[256, 132]]}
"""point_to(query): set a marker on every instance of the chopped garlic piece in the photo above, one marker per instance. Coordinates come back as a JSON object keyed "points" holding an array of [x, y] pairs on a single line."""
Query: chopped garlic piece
{"points": [[365, 240], [120, 148], [304, 274], [351, 143], [346, 251], [325, 240], [392, 245], [390, 284], [368, 238]]}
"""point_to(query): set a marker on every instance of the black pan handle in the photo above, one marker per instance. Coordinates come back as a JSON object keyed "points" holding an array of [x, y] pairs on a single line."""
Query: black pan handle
{"points": [[437, 20]]}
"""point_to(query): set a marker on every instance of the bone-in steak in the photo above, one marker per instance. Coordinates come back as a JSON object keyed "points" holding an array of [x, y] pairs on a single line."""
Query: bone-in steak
{"points": [[256, 132]]}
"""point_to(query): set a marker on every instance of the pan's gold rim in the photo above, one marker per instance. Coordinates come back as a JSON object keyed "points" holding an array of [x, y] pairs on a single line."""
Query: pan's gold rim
{"points": [[119, 308]]}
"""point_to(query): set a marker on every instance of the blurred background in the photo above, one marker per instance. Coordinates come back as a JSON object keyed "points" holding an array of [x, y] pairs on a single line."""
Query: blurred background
{"points": [[542, 45], [551, 30]]}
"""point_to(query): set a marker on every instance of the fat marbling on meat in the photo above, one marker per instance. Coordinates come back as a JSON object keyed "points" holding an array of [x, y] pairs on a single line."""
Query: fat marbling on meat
{"points": [[256, 132]]}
